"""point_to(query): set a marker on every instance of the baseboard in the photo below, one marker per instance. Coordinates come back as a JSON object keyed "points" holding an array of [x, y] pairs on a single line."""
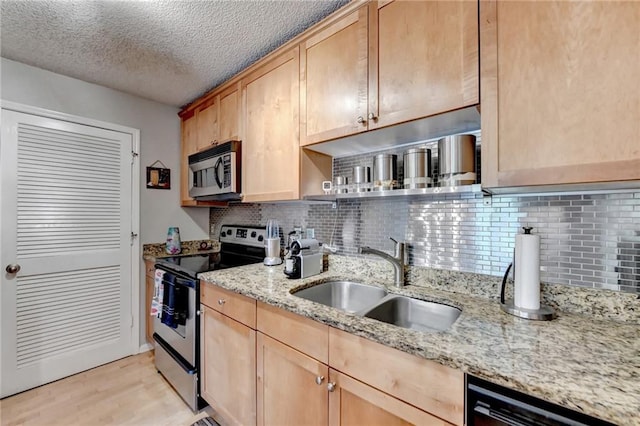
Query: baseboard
{"points": [[145, 347]]}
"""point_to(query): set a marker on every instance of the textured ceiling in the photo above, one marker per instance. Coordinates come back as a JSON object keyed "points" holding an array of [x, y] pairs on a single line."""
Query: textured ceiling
{"points": [[170, 51]]}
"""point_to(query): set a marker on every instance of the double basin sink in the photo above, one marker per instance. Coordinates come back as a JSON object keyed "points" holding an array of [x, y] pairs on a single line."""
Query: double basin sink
{"points": [[376, 303]]}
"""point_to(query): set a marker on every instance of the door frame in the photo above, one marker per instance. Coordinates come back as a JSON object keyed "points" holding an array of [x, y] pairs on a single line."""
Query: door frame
{"points": [[135, 346]]}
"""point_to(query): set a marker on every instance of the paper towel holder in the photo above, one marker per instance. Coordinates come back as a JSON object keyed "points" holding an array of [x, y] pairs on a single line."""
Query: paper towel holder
{"points": [[545, 313]]}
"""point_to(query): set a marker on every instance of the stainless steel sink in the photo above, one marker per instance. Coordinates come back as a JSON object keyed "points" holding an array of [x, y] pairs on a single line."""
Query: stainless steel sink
{"points": [[345, 295], [414, 314]]}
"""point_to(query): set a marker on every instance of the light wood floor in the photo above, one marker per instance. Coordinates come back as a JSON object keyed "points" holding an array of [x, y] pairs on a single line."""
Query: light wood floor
{"points": [[125, 392]]}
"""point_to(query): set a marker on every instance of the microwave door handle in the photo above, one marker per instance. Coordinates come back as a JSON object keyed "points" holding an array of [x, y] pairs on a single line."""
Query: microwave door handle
{"points": [[216, 172]]}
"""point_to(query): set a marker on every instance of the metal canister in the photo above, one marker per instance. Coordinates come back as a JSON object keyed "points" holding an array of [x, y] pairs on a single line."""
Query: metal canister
{"points": [[417, 168], [361, 178], [385, 171], [457, 160]]}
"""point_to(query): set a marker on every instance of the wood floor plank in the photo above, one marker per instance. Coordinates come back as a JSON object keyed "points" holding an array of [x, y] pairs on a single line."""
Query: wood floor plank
{"points": [[128, 392]]}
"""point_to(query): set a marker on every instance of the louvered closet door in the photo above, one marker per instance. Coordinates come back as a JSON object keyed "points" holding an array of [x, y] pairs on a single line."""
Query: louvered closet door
{"points": [[66, 220]]}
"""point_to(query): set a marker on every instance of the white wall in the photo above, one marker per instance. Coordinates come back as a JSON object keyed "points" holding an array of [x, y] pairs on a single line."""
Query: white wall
{"points": [[159, 128]]}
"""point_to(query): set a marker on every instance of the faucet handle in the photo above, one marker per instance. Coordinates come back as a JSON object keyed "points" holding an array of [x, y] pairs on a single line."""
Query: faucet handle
{"points": [[394, 241]]}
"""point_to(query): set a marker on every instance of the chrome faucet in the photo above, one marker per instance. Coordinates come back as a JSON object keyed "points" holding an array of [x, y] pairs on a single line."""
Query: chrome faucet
{"points": [[397, 260]]}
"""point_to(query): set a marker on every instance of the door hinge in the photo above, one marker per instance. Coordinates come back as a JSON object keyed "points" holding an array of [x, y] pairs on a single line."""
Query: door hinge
{"points": [[131, 321], [134, 155], [133, 236]]}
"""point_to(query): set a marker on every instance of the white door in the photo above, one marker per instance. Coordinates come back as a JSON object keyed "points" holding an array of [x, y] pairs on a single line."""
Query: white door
{"points": [[66, 221]]}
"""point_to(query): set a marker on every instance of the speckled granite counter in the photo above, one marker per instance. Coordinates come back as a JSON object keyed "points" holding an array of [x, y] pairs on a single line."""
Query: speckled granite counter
{"points": [[154, 251], [590, 365]]}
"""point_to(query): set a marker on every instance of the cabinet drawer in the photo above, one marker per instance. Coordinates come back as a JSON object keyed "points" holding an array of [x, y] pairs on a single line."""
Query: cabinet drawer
{"points": [[236, 306], [430, 386], [305, 335]]}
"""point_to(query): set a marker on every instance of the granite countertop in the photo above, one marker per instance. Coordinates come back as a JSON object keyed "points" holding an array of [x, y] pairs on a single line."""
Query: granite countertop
{"points": [[587, 364], [188, 248]]}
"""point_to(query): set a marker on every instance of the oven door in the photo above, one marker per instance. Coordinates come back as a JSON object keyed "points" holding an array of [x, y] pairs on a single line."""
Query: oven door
{"points": [[183, 337]]}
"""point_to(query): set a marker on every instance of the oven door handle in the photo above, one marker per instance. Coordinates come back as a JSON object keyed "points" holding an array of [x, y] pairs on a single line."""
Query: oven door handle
{"points": [[506, 417], [190, 369]]}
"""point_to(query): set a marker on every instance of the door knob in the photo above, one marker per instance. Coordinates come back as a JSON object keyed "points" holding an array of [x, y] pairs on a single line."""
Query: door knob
{"points": [[221, 302], [331, 386], [372, 116], [13, 268], [360, 119], [319, 380]]}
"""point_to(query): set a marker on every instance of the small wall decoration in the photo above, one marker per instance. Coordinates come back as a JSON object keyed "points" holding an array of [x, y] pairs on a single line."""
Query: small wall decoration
{"points": [[158, 177]]}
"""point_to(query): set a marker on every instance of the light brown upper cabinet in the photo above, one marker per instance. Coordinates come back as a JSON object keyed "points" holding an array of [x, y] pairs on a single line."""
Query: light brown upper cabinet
{"points": [[270, 148], [333, 65], [218, 118], [560, 84], [189, 146], [207, 123], [386, 63]]}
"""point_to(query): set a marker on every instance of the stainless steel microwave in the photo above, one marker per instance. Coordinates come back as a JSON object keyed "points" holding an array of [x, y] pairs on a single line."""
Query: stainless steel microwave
{"points": [[214, 174]]}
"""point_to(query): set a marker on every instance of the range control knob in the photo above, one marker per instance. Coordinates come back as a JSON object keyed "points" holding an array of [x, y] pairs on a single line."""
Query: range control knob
{"points": [[223, 234], [260, 238], [253, 234]]}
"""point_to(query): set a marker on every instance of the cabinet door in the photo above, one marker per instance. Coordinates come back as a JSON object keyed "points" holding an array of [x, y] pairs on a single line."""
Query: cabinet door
{"points": [[288, 392], [228, 363], [271, 151], [207, 119], [353, 403], [424, 59], [229, 120], [560, 84], [149, 288], [189, 146], [333, 74]]}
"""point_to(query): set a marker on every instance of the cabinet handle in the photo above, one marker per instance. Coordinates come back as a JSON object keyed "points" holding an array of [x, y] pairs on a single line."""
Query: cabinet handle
{"points": [[360, 120], [319, 380], [221, 302], [331, 386], [372, 116]]}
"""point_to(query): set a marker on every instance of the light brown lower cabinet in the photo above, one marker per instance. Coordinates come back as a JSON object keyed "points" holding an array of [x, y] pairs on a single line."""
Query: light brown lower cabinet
{"points": [[149, 278], [228, 360], [360, 382], [275, 368], [292, 387], [353, 403]]}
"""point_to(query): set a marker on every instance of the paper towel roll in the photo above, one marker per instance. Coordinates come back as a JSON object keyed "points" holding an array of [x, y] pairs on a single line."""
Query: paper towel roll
{"points": [[527, 271]]}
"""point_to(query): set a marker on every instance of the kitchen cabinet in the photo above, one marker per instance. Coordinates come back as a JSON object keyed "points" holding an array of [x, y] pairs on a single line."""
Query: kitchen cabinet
{"points": [[188, 146], [431, 387], [207, 124], [340, 379], [333, 72], [560, 84], [273, 164], [292, 387], [352, 402], [387, 63], [218, 118], [149, 278], [228, 354]]}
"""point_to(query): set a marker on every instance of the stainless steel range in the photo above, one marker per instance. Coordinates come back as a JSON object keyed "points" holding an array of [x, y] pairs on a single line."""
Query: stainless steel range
{"points": [[177, 328]]}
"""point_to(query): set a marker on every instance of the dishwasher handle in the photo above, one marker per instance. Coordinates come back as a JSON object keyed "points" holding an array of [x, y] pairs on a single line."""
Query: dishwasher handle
{"points": [[505, 417]]}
